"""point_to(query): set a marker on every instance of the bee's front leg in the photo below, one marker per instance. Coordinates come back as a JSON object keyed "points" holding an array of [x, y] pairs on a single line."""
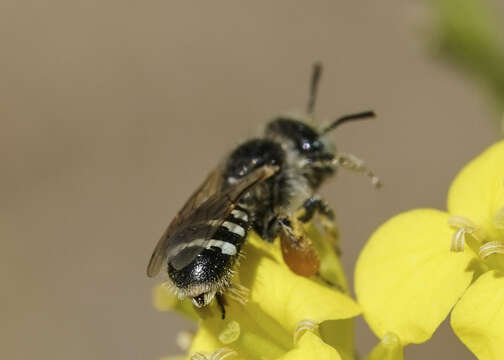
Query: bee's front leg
{"points": [[316, 205], [353, 163]]}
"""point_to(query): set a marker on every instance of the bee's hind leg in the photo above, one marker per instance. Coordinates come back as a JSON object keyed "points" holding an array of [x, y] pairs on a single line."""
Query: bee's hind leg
{"points": [[297, 249]]}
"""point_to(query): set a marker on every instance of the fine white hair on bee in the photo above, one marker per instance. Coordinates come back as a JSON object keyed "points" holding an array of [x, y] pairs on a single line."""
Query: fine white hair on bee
{"points": [[232, 180], [239, 214], [261, 185], [238, 293], [234, 228], [225, 247]]}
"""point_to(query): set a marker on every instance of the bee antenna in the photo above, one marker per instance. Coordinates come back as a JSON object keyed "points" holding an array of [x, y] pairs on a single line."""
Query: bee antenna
{"points": [[315, 79], [346, 118]]}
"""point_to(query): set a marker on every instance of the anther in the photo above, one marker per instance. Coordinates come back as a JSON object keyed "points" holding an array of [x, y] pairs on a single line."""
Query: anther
{"points": [[184, 340], [224, 353], [464, 227], [219, 354], [302, 327], [198, 356], [230, 333], [490, 248], [391, 339], [499, 219], [458, 240]]}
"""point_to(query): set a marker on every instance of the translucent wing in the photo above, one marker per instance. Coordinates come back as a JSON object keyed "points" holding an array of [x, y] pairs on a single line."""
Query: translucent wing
{"points": [[200, 218]]}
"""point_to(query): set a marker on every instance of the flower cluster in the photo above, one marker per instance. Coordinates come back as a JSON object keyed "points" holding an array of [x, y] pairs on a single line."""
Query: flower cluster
{"points": [[415, 269], [286, 316], [422, 264]]}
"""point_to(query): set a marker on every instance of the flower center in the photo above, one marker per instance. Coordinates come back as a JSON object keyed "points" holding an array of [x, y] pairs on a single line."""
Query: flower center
{"points": [[465, 228]]}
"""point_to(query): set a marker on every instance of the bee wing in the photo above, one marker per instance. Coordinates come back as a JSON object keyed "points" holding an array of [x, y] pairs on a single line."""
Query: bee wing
{"points": [[209, 187], [200, 218]]}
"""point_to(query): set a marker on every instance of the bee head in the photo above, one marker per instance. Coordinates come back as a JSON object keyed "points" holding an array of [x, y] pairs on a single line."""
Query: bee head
{"points": [[305, 139], [317, 155], [311, 143]]}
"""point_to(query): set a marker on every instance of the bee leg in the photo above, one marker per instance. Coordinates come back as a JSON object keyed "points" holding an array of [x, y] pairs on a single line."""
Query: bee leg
{"points": [[221, 301], [271, 228], [316, 205], [297, 249], [353, 163]]}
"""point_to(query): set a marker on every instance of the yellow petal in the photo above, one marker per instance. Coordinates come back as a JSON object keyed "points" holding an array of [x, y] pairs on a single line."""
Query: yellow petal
{"points": [[478, 318], [278, 301], [406, 278], [477, 192], [331, 268], [389, 348], [176, 357], [251, 333], [204, 341], [287, 297], [310, 346], [340, 335], [271, 248]]}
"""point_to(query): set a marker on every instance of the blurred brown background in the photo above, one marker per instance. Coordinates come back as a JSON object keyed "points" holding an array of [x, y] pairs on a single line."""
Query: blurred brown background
{"points": [[112, 112]]}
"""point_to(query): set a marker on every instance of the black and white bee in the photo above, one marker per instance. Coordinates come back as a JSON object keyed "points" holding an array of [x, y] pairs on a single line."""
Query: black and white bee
{"points": [[267, 184]]}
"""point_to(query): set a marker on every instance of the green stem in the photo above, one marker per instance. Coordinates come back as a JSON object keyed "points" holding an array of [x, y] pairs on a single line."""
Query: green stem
{"points": [[470, 35]]}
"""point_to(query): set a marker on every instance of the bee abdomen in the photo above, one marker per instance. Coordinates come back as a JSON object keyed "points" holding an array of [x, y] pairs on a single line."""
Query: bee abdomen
{"points": [[216, 255], [227, 237], [233, 231]]}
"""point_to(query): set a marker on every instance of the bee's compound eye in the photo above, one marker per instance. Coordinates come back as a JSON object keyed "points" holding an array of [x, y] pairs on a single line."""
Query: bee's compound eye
{"points": [[203, 299]]}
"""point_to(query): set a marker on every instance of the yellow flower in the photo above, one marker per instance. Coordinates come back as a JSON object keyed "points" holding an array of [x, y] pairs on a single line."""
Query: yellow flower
{"points": [[286, 316], [420, 264]]}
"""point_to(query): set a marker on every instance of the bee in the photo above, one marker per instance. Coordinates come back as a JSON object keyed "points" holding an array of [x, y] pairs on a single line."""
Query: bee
{"points": [[267, 184]]}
